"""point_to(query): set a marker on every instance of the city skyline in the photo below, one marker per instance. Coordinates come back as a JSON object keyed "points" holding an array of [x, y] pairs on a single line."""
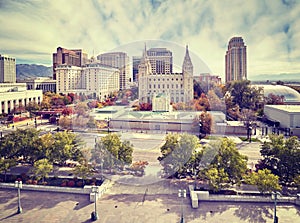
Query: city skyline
{"points": [[32, 30]]}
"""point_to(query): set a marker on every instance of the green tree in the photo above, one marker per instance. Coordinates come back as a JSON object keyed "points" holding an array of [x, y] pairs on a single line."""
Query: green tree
{"points": [[65, 146], [23, 143], [230, 160], [244, 95], [84, 170], [5, 165], [177, 152], [42, 168], [111, 152], [217, 178], [32, 106], [264, 180], [282, 157]]}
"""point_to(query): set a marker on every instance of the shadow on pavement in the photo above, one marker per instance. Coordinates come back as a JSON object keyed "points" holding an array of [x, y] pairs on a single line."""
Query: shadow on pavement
{"points": [[7, 217]]}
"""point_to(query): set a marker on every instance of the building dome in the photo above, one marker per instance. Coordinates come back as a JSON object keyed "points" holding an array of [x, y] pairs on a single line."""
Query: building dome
{"points": [[290, 95]]}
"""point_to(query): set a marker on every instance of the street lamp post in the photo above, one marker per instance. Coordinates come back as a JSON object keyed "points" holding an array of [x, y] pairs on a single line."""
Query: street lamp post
{"points": [[108, 120], [182, 194], [200, 129], [274, 197], [95, 190], [18, 184]]}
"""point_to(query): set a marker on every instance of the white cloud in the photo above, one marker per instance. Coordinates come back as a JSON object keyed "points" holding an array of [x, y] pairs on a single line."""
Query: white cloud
{"points": [[32, 30]]}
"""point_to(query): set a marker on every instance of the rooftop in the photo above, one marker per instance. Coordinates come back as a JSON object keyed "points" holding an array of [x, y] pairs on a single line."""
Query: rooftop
{"points": [[287, 108]]}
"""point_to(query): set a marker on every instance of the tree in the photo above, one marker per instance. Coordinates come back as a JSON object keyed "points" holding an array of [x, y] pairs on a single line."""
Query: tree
{"points": [[23, 143], [5, 165], [282, 157], [42, 168], [242, 94], [273, 99], [264, 180], [81, 109], [230, 160], [32, 106], [203, 124], [215, 102], [201, 104], [177, 152], [65, 122], [83, 170], [65, 146], [111, 152], [217, 178]]}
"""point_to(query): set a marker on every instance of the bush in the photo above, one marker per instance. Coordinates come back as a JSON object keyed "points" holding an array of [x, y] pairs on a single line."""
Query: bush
{"points": [[71, 183], [79, 184]]}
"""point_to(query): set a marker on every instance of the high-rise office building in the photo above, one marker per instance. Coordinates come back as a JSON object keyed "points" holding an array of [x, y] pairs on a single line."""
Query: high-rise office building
{"points": [[68, 57], [7, 69], [135, 67], [236, 60], [161, 60], [118, 60]]}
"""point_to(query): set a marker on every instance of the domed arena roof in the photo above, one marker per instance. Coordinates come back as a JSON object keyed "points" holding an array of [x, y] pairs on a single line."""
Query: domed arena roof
{"points": [[290, 95]]}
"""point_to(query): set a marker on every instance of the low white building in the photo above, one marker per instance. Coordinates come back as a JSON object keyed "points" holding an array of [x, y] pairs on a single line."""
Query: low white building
{"points": [[288, 116], [13, 95], [161, 102], [41, 83]]}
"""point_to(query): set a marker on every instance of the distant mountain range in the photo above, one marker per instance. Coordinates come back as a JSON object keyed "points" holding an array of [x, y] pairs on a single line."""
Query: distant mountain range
{"points": [[29, 71], [293, 77]]}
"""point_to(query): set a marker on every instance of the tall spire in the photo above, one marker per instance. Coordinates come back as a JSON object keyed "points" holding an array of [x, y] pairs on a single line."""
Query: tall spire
{"points": [[145, 50], [187, 66]]}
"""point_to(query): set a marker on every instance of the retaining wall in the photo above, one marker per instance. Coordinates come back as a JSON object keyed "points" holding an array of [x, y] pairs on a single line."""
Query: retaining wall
{"points": [[197, 196], [86, 190]]}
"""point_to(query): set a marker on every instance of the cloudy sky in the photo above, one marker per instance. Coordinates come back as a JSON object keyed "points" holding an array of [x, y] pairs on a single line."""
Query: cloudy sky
{"points": [[32, 30]]}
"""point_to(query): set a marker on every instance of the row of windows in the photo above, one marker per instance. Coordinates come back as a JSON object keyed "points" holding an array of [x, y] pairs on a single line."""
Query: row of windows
{"points": [[167, 86], [172, 79]]}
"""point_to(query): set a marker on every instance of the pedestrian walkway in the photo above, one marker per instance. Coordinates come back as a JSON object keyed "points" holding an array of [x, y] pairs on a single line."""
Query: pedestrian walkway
{"points": [[145, 206]]}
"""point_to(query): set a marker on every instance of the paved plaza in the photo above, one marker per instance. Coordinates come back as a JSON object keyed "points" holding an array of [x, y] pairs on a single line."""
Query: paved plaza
{"points": [[136, 207]]}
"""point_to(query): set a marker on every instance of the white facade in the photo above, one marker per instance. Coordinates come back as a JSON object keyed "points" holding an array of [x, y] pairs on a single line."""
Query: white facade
{"points": [[287, 115], [42, 83], [7, 69], [69, 78], [179, 86], [118, 60], [93, 80], [14, 95], [161, 103], [101, 80]]}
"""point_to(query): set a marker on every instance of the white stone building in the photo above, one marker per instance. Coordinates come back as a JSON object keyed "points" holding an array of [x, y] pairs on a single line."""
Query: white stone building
{"points": [[41, 83], [101, 80], [179, 86], [94, 80], [13, 95], [69, 78]]}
